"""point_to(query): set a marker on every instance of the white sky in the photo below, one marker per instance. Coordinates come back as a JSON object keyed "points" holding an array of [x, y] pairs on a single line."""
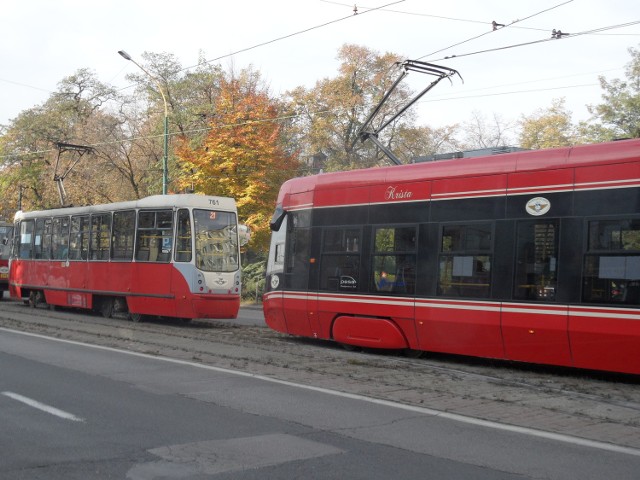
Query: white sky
{"points": [[43, 41]]}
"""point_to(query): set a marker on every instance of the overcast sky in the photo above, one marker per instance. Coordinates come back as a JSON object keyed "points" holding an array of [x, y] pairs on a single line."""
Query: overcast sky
{"points": [[43, 41]]}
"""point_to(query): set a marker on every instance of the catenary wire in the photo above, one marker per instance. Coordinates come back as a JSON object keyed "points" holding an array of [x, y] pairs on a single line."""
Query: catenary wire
{"points": [[440, 17], [492, 31], [284, 37], [534, 42], [40, 152], [277, 119]]}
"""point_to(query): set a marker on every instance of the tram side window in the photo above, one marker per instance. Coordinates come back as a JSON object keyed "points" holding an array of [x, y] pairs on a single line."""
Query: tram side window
{"points": [[42, 239], [394, 259], [100, 238], [124, 228], [536, 271], [154, 238], [15, 241], [60, 238], [340, 261], [611, 271], [465, 261], [79, 238], [47, 238], [183, 237], [25, 247]]}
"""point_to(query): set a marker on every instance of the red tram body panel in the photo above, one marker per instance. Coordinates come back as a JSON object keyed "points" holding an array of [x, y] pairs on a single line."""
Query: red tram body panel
{"points": [[531, 256]]}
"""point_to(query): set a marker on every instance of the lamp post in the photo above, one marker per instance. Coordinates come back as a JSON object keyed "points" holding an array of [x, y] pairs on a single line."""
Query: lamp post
{"points": [[165, 176]]}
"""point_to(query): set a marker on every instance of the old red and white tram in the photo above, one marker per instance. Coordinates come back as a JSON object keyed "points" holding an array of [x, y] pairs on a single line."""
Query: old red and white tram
{"points": [[165, 255]]}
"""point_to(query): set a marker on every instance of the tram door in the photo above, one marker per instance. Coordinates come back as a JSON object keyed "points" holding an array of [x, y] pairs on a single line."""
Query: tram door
{"points": [[536, 330], [300, 306]]}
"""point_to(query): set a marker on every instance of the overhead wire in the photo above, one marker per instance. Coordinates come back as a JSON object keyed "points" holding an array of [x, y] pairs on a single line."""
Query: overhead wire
{"points": [[561, 36], [246, 49], [284, 37], [25, 85], [598, 30], [319, 112], [497, 29], [532, 90], [277, 119], [449, 18], [173, 134]]}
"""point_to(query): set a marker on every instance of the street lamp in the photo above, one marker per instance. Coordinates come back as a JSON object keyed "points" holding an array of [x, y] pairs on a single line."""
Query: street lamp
{"points": [[165, 175]]}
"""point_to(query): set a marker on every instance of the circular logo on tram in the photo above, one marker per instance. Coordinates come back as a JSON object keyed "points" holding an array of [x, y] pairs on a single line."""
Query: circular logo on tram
{"points": [[275, 281], [538, 206]]}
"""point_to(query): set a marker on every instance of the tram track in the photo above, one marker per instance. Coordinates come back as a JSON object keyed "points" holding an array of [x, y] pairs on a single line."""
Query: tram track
{"points": [[547, 398]]}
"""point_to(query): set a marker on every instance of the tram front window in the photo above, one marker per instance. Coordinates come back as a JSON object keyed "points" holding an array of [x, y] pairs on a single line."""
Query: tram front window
{"points": [[216, 242]]}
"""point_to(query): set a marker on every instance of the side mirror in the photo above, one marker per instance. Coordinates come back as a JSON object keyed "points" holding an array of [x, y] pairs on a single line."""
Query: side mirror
{"points": [[244, 234], [277, 219]]}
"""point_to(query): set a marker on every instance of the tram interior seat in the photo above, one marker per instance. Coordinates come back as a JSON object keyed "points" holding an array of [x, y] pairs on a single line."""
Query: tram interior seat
{"points": [[153, 252], [164, 257], [632, 293]]}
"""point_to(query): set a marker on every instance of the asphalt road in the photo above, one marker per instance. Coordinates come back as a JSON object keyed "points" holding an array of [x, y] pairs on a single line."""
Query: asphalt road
{"points": [[250, 316], [76, 411]]}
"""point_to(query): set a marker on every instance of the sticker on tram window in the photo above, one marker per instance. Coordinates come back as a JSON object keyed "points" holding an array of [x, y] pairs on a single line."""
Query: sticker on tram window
{"points": [[348, 283], [212, 215]]}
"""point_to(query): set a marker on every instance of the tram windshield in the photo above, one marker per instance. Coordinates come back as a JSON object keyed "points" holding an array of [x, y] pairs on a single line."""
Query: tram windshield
{"points": [[216, 244]]}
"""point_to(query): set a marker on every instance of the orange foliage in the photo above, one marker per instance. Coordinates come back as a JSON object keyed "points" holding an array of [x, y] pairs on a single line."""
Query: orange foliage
{"points": [[241, 157]]}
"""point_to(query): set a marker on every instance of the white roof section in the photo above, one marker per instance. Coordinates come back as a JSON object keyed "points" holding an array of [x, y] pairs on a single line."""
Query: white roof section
{"points": [[205, 202]]}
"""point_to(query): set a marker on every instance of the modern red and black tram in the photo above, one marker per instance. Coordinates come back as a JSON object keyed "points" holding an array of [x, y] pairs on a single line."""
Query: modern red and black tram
{"points": [[531, 256], [164, 255], [6, 234]]}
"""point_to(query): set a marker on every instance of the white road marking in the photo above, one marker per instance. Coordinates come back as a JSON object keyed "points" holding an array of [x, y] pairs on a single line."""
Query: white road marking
{"points": [[43, 407], [559, 437]]}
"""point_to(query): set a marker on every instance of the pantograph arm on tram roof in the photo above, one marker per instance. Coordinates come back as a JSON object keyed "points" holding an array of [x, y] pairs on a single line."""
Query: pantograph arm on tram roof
{"points": [[407, 66]]}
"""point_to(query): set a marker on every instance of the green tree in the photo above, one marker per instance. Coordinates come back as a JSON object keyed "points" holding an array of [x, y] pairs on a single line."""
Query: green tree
{"points": [[28, 145], [421, 141], [548, 127], [191, 95], [619, 114], [330, 114], [125, 131]]}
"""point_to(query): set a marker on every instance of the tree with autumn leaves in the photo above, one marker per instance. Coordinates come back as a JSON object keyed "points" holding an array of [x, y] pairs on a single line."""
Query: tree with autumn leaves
{"points": [[229, 136], [243, 156]]}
